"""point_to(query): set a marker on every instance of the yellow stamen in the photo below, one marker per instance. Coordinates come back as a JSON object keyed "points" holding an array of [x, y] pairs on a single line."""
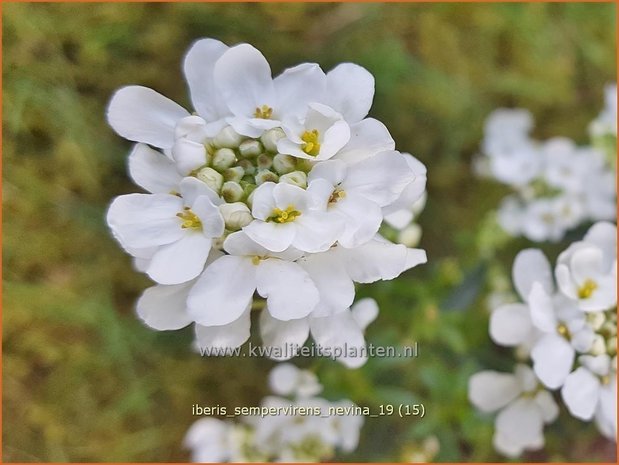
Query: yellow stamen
{"points": [[605, 379], [563, 331], [311, 145], [337, 195], [190, 220], [284, 216], [586, 290], [255, 260], [263, 112]]}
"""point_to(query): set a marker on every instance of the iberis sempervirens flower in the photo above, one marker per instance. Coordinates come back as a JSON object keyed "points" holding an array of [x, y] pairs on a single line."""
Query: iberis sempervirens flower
{"points": [[272, 188]]}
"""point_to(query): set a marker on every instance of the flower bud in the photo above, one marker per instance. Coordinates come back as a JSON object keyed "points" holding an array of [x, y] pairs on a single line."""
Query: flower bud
{"points": [[250, 148], [284, 163], [596, 320], [296, 178], [223, 158], [269, 139], [227, 138], [211, 178], [266, 176], [598, 347], [235, 173], [611, 345], [247, 166], [236, 215], [248, 188], [232, 191], [264, 162]]}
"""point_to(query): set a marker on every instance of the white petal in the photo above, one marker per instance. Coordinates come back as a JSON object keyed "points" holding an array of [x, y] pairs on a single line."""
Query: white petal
{"points": [[564, 281], [335, 138], [380, 178], [522, 422], [298, 86], [290, 292], [223, 291], [337, 290], [316, 231], [283, 334], [586, 264], [212, 222], [332, 171], [604, 235], [283, 379], [164, 307], [286, 195], [491, 390], [192, 188], [180, 261], [243, 77], [510, 324], [542, 309], [553, 358], [377, 260], [188, 155], [581, 393], [531, 265], [145, 220], [238, 243], [365, 312], [152, 170], [362, 219], [340, 335], [272, 236], [350, 90], [142, 115], [230, 336], [547, 405], [263, 202], [606, 414], [199, 66], [604, 297], [367, 138]]}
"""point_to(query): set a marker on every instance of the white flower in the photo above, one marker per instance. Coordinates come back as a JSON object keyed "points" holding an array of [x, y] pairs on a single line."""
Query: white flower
{"points": [[587, 270], [321, 134], [354, 194], [180, 228], [225, 289], [606, 122], [209, 438], [285, 217], [524, 408], [591, 391], [288, 380]]}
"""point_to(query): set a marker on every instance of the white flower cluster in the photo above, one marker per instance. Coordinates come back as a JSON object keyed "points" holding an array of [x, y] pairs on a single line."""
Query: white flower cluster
{"points": [[569, 331], [558, 185], [275, 187], [606, 122], [309, 437]]}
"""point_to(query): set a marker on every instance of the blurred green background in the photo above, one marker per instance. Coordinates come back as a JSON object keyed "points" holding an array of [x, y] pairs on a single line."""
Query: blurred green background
{"points": [[84, 380]]}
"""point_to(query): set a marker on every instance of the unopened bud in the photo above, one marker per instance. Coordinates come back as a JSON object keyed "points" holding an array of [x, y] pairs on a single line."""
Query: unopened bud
{"points": [[235, 173], [265, 176], [296, 178], [598, 347], [410, 235], [211, 178], [611, 346], [247, 166], [223, 159], [269, 139], [264, 161], [232, 191], [250, 148], [284, 163], [248, 188], [236, 215], [227, 138]]}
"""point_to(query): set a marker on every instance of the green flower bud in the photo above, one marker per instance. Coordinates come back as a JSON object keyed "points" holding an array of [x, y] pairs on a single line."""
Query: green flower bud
{"points": [[598, 347], [232, 191], [284, 163], [296, 178], [269, 139], [247, 166], [223, 159], [235, 173], [236, 215], [211, 178], [264, 161], [250, 148], [227, 138], [265, 176]]}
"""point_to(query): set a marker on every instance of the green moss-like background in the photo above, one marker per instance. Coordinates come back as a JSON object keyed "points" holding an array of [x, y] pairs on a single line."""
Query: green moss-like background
{"points": [[84, 380]]}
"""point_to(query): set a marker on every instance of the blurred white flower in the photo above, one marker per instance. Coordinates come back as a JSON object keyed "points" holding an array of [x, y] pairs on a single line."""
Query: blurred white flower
{"points": [[606, 122], [524, 408]]}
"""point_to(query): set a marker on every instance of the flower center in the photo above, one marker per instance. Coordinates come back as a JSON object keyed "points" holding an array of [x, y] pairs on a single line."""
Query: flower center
{"points": [[284, 216], [263, 112], [190, 220], [311, 145], [256, 260], [563, 330], [586, 290], [337, 195]]}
